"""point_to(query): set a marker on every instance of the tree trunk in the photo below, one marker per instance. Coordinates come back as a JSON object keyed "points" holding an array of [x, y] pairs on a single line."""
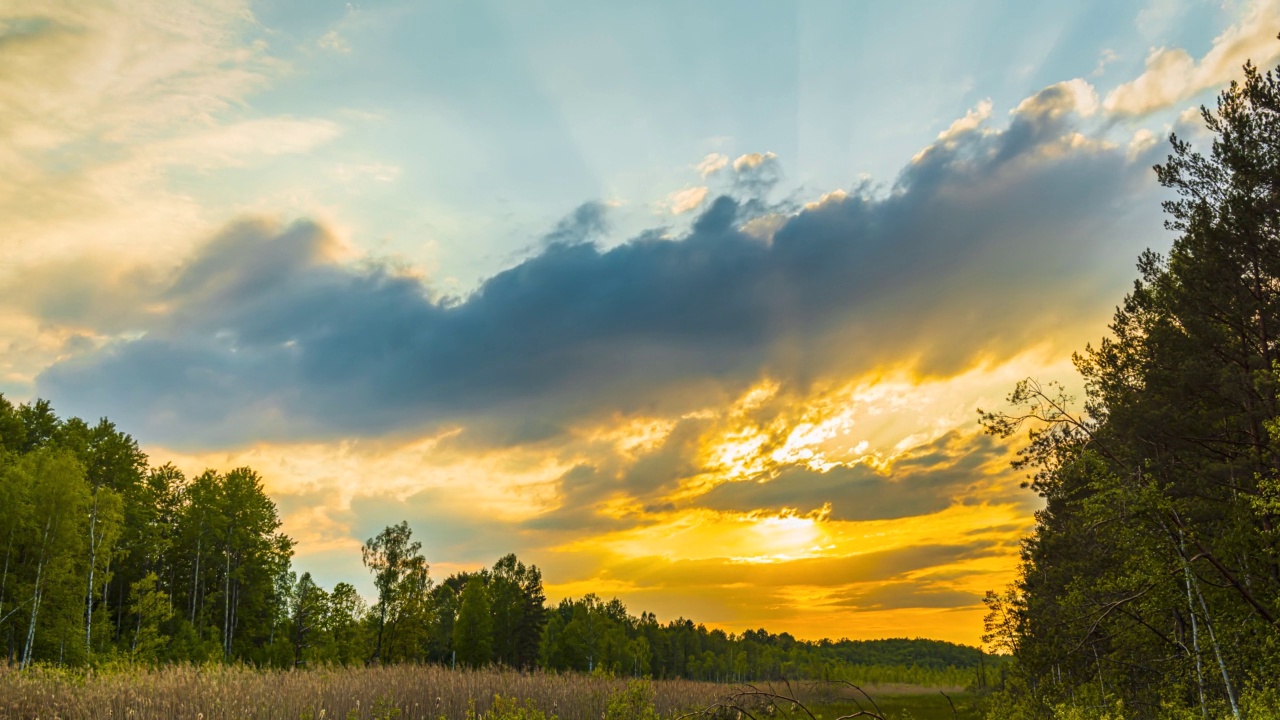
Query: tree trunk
{"points": [[4, 579], [106, 586], [226, 609], [1226, 680], [93, 564], [1195, 637], [36, 596], [195, 578]]}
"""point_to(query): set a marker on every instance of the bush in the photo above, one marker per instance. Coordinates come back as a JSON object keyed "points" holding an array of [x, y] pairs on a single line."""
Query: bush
{"points": [[633, 703], [508, 708]]}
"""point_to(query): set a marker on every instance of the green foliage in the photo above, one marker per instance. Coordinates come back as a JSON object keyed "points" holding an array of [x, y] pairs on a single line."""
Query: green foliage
{"points": [[400, 575], [633, 703], [151, 606], [1151, 585], [384, 708], [508, 708], [517, 607], [916, 706], [473, 630]]}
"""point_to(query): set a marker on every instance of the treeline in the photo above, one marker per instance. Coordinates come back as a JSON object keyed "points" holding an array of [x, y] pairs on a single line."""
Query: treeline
{"points": [[1151, 585], [108, 558]]}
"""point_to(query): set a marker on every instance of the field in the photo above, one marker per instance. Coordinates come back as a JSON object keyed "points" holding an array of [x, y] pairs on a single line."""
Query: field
{"points": [[403, 692], [927, 704]]}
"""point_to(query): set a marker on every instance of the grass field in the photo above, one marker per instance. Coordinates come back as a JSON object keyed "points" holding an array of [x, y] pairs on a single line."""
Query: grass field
{"points": [[404, 692], [915, 706]]}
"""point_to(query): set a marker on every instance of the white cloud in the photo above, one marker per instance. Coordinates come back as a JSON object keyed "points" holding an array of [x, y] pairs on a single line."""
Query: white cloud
{"points": [[1142, 141], [1105, 58], [1172, 75], [750, 161], [239, 143], [971, 120], [82, 70], [712, 163], [682, 201], [1071, 96]]}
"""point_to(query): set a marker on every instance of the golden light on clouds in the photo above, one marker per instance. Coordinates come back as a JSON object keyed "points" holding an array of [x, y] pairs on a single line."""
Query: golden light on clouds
{"points": [[827, 568], [318, 482]]}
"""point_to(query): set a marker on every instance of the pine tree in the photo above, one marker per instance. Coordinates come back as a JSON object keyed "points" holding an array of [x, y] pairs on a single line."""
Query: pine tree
{"points": [[1153, 575], [472, 633]]}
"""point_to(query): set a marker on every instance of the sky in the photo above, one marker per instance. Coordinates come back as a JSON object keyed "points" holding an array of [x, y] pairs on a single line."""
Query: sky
{"points": [[692, 304]]}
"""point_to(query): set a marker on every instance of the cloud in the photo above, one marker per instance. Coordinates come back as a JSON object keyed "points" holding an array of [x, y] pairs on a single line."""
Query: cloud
{"points": [[1051, 104], [587, 222], [752, 161], [334, 42], [238, 144], [755, 174], [839, 571], [712, 164], [1105, 58], [967, 124], [925, 480], [682, 201], [79, 70], [265, 334], [1172, 75], [99, 104]]}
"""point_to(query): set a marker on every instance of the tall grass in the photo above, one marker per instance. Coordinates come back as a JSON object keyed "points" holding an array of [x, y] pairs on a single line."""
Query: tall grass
{"points": [[219, 692]]}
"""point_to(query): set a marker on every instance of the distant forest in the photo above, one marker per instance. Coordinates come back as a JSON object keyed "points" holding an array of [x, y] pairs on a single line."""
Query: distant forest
{"points": [[107, 559], [1151, 585]]}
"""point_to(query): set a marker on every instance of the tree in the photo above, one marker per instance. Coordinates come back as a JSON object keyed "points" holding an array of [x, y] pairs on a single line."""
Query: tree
{"points": [[519, 613], [53, 483], [308, 615], [392, 557], [1153, 574], [151, 606], [472, 633], [253, 556], [342, 621]]}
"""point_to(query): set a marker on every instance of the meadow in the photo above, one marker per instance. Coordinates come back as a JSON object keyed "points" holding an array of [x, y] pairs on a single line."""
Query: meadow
{"points": [[917, 704], [404, 692]]}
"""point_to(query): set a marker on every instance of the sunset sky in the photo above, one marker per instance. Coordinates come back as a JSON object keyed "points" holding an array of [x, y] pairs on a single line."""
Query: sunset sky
{"points": [[688, 303]]}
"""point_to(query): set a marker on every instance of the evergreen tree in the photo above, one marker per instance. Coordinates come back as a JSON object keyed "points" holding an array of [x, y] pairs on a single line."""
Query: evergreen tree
{"points": [[472, 632], [1153, 575]]}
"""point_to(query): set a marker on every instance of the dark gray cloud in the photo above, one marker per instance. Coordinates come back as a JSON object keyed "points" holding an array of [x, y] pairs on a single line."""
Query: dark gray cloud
{"points": [[584, 224], [988, 242]]}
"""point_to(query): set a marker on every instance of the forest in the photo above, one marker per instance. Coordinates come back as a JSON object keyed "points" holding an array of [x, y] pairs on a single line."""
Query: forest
{"points": [[108, 559], [1151, 584]]}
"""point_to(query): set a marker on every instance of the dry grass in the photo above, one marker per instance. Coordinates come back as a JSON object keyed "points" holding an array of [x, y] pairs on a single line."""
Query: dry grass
{"points": [[215, 693]]}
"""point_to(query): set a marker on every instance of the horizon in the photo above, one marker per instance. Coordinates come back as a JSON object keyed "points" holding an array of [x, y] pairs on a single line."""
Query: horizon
{"points": [[690, 306]]}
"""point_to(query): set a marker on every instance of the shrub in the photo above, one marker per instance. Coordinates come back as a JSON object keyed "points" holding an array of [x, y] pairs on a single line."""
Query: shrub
{"points": [[635, 702]]}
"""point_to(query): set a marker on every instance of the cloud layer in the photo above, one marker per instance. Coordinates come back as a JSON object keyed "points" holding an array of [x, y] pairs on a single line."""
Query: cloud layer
{"points": [[1172, 75], [267, 333]]}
